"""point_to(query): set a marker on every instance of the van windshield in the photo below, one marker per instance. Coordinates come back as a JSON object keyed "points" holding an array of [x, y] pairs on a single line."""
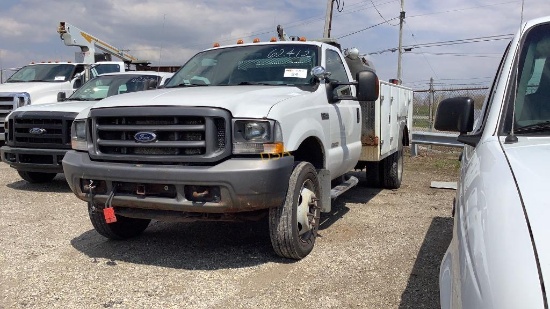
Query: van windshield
{"points": [[281, 64]]}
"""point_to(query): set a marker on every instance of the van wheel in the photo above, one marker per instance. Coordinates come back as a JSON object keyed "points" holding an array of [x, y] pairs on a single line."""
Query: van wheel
{"points": [[293, 225], [123, 228], [36, 177], [374, 175], [393, 169]]}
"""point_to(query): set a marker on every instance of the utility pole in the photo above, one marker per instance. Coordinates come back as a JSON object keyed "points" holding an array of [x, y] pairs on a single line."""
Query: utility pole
{"points": [[432, 100], [400, 49], [328, 19]]}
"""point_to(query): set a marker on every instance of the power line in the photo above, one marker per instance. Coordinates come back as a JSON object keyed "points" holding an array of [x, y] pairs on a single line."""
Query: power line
{"points": [[370, 27], [451, 42], [456, 54], [464, 9]]}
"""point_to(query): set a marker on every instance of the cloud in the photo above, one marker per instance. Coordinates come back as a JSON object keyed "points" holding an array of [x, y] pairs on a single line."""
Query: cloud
{"points": [[169, 32]]}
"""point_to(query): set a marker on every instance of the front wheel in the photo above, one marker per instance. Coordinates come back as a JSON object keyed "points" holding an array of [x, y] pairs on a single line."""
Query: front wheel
{"points": [[123, 228], [293, 225], [36, 177]]}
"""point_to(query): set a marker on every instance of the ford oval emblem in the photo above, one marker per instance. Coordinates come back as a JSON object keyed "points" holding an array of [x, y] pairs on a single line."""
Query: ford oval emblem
{"points": [[37, 131], [145, 137]]}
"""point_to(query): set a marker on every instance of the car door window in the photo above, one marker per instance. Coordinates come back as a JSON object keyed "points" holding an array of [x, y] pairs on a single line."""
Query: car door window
{"points": [[338, 72]]}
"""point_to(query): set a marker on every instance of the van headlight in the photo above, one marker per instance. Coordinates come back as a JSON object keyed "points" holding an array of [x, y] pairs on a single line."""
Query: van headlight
{"points": [[79, 135], [254, 136]]}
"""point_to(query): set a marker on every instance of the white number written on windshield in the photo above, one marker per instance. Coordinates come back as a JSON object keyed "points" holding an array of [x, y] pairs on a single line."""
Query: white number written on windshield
{"points": [[288, 52]]}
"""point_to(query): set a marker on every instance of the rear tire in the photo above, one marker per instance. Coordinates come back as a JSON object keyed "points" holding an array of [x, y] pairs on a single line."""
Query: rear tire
{"points": [[293, 225], [393, 169], [36, 177], [123, 228]]}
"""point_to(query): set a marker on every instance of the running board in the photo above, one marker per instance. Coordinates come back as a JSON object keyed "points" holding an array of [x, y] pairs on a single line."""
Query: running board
{"points": [[328, 195], [343, 187]]}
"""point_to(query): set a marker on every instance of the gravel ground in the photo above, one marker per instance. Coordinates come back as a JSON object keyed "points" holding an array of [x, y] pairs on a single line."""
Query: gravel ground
{"points": [[377, 249]]}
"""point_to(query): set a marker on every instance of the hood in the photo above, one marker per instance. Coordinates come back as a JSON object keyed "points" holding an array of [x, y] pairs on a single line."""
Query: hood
{"points": [[65, 106], [242, 101], [40, 92], [531, 167]]}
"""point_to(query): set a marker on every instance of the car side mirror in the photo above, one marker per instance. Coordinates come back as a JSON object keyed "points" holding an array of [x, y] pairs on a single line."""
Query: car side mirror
{"points": [[368, 86], [77, 83], [456, 115], [61, 96]]}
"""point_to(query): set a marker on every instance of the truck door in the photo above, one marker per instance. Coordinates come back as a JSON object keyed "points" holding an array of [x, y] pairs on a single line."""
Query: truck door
{"points": [[345, 126]]}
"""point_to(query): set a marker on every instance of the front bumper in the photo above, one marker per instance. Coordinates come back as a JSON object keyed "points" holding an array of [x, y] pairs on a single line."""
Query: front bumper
{"points": [[33, 160], [241, 184]]}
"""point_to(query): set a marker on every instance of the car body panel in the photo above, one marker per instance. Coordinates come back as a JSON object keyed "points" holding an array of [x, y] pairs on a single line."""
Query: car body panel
{"points": [[499, 256]]}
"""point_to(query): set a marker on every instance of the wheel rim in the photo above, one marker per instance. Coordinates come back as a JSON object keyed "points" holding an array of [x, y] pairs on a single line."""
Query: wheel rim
{"points": [[307, 214]]}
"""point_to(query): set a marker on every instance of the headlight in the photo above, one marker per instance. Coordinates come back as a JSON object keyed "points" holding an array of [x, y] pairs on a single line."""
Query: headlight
{"points": [[78, 135], [23, 99], [257, 137]]}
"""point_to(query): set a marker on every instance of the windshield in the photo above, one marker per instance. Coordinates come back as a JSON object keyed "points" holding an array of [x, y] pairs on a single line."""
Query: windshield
{"points": [[532, 109], [47, 72], [281, 64], [103, 68], [108, 85]]}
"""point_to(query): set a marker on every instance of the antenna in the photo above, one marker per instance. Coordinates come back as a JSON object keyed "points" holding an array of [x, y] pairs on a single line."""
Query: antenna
{"points": [[160, 48], [512, 138], [521, 18]]}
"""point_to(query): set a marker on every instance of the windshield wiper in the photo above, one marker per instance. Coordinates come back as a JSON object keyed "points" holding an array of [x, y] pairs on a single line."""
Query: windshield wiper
{"points": [[188, 85], [258, 83], [537, 127], [84, 99]]}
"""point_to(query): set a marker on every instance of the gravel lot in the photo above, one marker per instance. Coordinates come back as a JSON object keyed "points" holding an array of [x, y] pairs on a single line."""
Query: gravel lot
{"points": [[377, 249]]}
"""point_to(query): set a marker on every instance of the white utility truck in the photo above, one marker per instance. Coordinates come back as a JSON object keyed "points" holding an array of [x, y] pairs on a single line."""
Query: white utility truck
{"points": [[240, 132], [39, 83], [37, 136]]}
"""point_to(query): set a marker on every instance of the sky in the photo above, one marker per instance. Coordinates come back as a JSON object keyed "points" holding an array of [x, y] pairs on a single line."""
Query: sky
{"points": [[437, 35]]}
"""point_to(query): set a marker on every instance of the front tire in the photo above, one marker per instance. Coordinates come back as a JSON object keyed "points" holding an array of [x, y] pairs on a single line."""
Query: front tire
{"points": [[123, 228], [36, 177], [293, 225]]}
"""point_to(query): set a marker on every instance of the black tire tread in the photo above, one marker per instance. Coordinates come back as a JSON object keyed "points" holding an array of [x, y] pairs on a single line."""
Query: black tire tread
{"points": [[36, 177], [123, 228], [281, 219]]}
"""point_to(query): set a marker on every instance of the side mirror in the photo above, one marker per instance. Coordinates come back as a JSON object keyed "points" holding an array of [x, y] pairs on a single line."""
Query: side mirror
{"points": [[368, 86], [320, 73], [456, 115], [61, 96], [77, 83]]}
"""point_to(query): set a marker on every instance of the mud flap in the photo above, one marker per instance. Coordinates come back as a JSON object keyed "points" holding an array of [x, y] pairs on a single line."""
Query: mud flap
{"points": [[324, 180]]}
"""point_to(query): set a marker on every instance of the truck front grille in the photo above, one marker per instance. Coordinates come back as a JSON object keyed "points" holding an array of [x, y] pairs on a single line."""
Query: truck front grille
{"points": [[165, 135], [6, 106], [41, 129]]}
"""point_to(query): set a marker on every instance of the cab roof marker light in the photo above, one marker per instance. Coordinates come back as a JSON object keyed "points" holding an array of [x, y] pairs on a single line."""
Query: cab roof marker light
{"points": [[240, 41], [273, 39], [302, 39], [256, 40], [216, 45]]}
